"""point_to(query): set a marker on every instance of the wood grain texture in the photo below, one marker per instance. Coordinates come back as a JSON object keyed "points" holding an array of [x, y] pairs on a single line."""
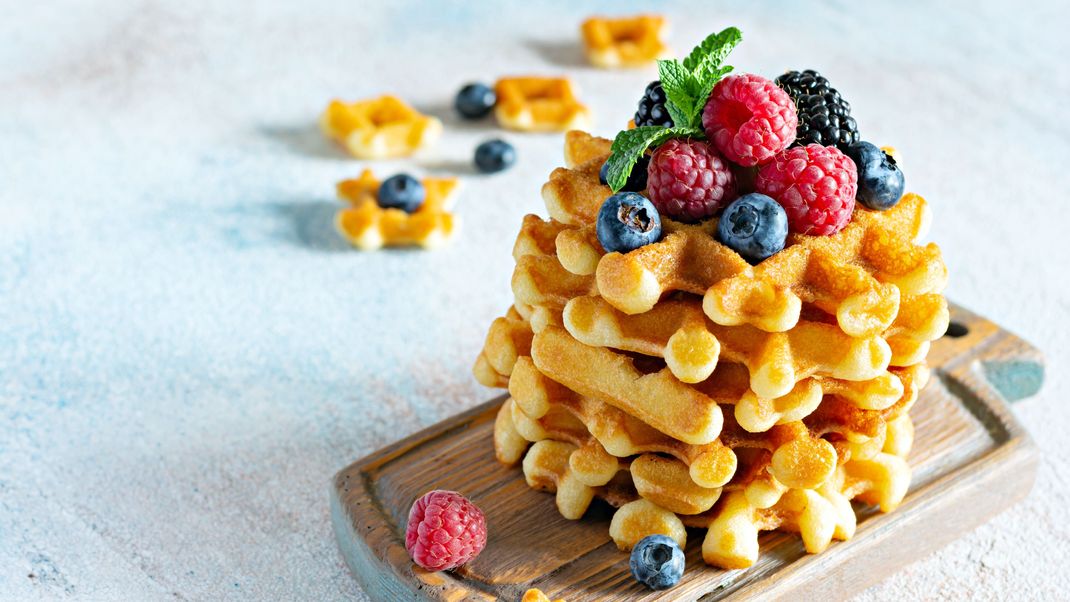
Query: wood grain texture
{"points": [[971, 459]]}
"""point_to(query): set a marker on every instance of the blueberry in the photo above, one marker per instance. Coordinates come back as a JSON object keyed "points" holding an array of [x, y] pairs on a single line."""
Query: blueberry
{"points": [[494, 155], [401, 192], [754, 225], [636, 179], [657, 562], [880, 181], [627, 221], [474, 101]]}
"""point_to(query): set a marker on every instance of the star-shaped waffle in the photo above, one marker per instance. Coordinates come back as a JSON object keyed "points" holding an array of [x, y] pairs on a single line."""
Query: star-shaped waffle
{"points": [[624, 41], [539, 104], [368, 226], [379, 128]]}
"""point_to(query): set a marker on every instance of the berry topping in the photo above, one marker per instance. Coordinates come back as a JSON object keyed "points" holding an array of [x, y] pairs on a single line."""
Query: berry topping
{"points": [[401, 192], [474, 101], [445, 530], [824, 117], [754, 226], [627, 221], [494, 156], [749, 119], [814, 184], [652, 109], [880, 181], [688, 181], [636, 179], [657, 562]]}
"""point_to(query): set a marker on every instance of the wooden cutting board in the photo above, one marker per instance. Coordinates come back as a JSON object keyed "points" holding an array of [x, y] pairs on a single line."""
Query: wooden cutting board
{"points": [[971, 459]]}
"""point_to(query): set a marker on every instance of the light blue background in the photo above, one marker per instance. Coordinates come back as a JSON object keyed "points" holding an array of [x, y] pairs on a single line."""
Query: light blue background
{"points": [[187, 352]]}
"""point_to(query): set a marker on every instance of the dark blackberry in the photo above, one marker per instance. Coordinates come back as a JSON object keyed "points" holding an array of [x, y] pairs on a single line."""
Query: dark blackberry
{"points": [[652, 107], [824, 116]]}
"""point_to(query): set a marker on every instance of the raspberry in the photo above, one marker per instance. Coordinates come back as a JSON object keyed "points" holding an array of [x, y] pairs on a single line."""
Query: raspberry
{"points": [[749, 119], [814, 184], [445, 530], [688, 181]]}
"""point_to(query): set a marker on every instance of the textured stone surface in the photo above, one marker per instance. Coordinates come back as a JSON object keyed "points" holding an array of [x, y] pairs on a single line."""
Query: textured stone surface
{"points": [[187, 352]]}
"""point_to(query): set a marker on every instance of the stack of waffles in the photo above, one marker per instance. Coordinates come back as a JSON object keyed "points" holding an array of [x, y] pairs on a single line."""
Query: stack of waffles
{"points": [[688, 388]]}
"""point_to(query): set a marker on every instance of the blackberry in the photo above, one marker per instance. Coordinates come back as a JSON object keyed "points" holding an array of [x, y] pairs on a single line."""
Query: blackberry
{"points": [[652, 109], [824, 116]]}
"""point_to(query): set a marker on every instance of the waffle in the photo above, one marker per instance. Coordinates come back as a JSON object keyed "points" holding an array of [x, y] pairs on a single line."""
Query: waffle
{"points": [[379, 128], [733, 519], [539, 104], [368, 226], [871, 276], [689, 389], [798, 456], [624, 41]]}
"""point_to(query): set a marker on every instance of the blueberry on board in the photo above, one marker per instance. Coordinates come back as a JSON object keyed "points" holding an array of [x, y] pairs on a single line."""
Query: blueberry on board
{"points": [[880, 181], [627, 221], [494, 155], [754, 225], [401, 192], [657, 562], [475, 100], [636, 179]]}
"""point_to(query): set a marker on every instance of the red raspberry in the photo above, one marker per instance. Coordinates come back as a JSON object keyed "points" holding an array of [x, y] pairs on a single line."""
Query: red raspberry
{"points": [[687, 180], [445, 530], [815, 184], [749, 119]]}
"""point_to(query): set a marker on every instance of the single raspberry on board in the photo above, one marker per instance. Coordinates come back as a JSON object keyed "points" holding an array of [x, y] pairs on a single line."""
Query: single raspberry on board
{"points": [[815, 185], [445, 530], [688, 180], [749, 119]]}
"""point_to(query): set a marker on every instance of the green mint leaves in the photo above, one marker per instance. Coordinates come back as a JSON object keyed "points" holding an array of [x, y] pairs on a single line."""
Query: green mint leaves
{"points": [[629, 145], [687, 86], [705, 60]]}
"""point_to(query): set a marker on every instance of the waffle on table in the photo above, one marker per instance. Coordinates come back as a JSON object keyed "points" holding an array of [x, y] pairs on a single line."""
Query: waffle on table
{"points": [[379, 128], [635, 41], [368, 226], [539, 104], [688, 388]]}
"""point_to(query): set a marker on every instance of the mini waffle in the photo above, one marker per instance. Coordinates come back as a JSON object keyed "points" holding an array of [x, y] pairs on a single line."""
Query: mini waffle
{"points": [[624, 41], [368, 226], [379, 128], [539, 104]]}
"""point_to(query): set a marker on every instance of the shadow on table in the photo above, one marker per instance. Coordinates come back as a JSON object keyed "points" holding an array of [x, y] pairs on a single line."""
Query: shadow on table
{"points": [[306, 140], [562, 53], [452, 120], [311, 224]]}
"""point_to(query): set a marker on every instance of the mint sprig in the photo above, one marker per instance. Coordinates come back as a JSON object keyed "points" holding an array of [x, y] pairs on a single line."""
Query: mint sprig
{"points": [[687, 86], [629, 145], [705, 60]]}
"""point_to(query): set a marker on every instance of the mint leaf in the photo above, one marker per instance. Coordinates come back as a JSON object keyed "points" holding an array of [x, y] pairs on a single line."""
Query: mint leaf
{"points": [[629, 146], [711, 52], [680, 103]]}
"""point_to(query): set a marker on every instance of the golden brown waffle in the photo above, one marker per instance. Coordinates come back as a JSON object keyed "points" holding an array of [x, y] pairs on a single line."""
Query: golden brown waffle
{"points": [[606, 436], [862, 275], [368, 226], [624, 41], [688, 388], [539, 104], [819, 514], [379, 128]]}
